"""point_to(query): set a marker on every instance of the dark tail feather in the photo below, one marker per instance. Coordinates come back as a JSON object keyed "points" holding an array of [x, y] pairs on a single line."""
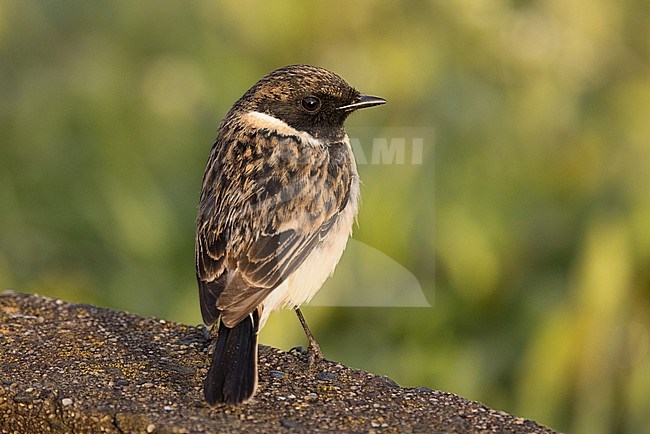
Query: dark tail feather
{"points": [[232, 377]]}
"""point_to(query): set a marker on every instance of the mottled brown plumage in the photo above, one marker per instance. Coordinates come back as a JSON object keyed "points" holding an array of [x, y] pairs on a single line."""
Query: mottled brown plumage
{"points": [[277, 202]]}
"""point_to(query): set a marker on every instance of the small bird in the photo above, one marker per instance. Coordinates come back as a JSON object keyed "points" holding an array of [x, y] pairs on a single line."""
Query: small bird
{"points": [[278, 200]]}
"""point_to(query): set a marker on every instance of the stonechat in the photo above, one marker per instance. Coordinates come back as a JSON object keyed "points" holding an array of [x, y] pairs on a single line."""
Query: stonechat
{"points": [[278, 200]]}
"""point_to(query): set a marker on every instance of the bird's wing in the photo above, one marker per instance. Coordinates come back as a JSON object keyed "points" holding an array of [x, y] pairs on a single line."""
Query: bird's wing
{"points": [[260, 216]]}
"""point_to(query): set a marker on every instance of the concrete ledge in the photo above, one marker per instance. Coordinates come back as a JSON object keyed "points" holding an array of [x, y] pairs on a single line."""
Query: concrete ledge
{"points": [[78, 368]]}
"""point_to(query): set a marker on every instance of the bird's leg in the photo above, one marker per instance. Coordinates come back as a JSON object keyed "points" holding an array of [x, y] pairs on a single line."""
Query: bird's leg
{"points": [[315, 354]]}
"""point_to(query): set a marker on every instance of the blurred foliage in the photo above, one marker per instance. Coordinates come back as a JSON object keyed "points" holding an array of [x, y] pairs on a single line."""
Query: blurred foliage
{"points": [[541, 114]]}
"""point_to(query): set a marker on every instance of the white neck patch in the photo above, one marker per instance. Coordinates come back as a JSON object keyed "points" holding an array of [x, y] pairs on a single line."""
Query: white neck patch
{"points": [[261, 120]]}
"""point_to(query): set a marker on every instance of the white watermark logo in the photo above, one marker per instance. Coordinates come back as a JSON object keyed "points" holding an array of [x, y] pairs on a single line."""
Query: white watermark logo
{"points": [[400, 146], [389, 151]]}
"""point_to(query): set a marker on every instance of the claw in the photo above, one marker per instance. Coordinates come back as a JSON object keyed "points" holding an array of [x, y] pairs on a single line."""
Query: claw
{"points": [[299, 350]]}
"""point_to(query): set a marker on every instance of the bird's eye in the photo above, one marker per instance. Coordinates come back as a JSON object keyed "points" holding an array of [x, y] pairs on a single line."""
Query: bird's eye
{"points": [[310, 103]]}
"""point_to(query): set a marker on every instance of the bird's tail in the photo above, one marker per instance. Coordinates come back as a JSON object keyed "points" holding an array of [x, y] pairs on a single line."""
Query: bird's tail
{"points": [[232, 377]]}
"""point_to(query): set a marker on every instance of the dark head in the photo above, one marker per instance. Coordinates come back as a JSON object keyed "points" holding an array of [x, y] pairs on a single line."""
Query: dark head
{"points": [[307, 98]]}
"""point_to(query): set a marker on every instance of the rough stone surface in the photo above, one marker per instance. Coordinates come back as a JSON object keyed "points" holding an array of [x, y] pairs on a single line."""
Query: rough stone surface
{"points": [[78, 368]]}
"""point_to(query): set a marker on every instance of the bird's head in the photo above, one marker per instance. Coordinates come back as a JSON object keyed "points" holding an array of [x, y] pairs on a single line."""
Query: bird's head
{"points": [[307, 98]]}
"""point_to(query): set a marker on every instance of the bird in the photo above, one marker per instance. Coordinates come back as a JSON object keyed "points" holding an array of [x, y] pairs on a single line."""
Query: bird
{"points": [[278, 200]]}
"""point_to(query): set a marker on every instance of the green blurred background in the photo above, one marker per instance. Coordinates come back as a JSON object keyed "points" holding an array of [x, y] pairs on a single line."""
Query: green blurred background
{"points": [[541, 112]]}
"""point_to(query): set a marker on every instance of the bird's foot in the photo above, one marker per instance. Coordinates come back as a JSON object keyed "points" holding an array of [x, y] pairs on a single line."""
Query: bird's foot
{"points": [[313, 354], [206, 332]]}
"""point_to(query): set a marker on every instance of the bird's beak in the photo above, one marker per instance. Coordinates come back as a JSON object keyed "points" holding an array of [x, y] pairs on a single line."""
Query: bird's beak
{"points": [[363, 101]]}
